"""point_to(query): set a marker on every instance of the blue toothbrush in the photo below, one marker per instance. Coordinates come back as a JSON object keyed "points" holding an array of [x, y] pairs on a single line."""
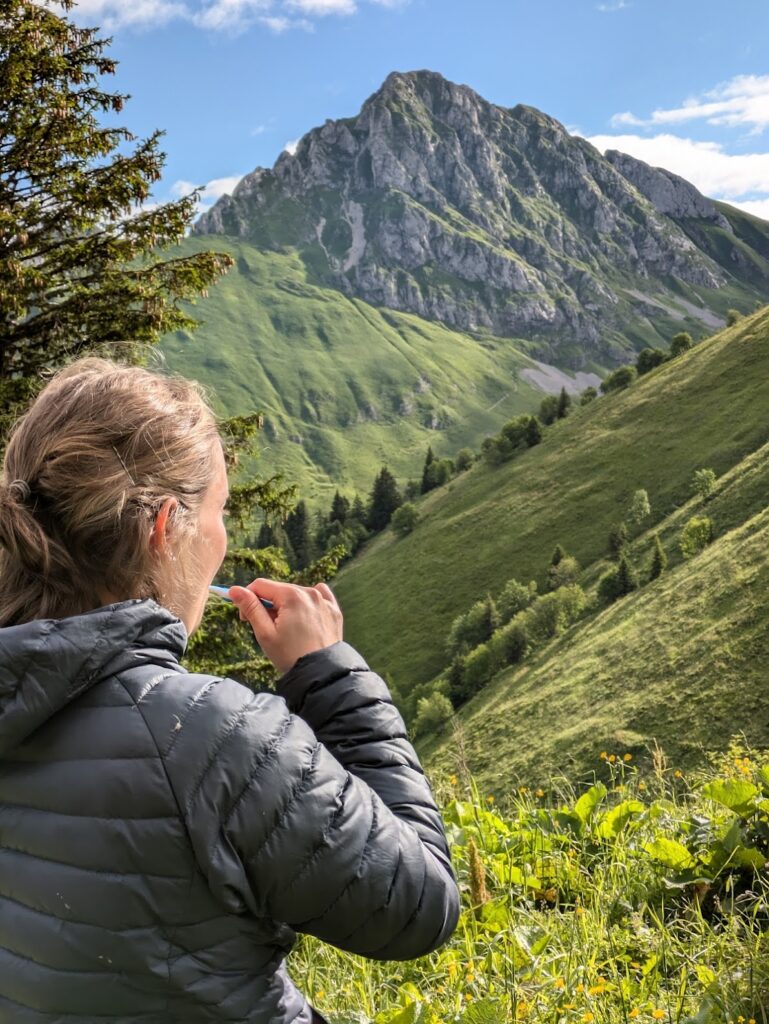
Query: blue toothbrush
{"points": [[222, 592]]}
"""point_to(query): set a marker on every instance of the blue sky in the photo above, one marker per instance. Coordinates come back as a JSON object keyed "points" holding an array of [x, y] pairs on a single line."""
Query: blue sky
{"points": [[679, 83]]}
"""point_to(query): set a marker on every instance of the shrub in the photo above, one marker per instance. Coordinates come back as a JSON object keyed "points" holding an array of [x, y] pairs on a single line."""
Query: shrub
{"points": [[473, 627], [608, 587], [432, 713], [649, 359], [733, 316], [681, 343], [548, 410], [492, 452], [552, 613], [704, 482], [480, 666], [640, 508], [588, 395], [627, 577], [533, 432], [511, 642], [621, 378], [515, 597], [404, 519], [564, 573], [696, 535], [564, 404], [464, 459], [437, 473]]}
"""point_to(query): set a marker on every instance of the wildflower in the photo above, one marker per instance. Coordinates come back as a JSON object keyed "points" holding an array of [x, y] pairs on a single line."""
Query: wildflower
{"points": [[612, 758], [560, 983], [678, 774], [523, 789], [580, 988], [642, 785], [635, 963], [540, 792], [320, 994], [489, 799], [587, 1016], [634, 1012], [603, 755], [579, 910], [468, 997], [453, 780], [627, 757], [658, 1014]]}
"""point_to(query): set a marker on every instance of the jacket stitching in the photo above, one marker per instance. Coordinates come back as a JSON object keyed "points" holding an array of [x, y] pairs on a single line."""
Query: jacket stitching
{"points": [[273, 745], [95, 871], [152, 684], [326, 833], [190, 707], [235, 722], [93, 817], [297, 790]]}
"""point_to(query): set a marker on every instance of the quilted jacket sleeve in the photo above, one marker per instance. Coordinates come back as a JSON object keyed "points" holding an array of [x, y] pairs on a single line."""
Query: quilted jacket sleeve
{"points": [[311, 808]]}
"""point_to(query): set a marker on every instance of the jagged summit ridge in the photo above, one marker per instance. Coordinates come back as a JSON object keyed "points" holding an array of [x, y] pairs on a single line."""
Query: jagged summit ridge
{"points": [[435, 201]]}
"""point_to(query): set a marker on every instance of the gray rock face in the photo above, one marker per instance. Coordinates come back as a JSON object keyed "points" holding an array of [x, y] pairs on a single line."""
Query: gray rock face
{"points": [[667, 192], [436, 202]]}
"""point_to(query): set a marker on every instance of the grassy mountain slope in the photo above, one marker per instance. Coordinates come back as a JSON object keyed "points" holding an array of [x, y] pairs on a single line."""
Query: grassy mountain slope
{"points": [[708, 408], [682, 661], [344, 387]]}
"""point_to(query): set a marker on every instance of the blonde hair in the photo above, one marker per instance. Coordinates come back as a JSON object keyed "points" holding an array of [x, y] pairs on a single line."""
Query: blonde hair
{"points": [[86, 469]]}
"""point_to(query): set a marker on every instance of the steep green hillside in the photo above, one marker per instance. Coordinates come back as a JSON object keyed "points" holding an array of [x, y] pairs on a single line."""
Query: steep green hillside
{"points": [[344, 387], [681, 662], [708, 408]]}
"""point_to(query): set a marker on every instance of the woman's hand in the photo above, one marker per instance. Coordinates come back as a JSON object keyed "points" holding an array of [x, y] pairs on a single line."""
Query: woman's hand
{"points": [[302, 619]]}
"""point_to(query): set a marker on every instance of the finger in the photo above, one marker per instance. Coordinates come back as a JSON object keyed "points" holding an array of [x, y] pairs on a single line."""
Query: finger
{"points": [[273, 590], [252, 610], [326, 590]]}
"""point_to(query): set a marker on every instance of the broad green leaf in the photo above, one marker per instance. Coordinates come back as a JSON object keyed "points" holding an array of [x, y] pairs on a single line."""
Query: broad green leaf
{"points": [[587, 803], [615, 819], [670, 853], [748, 857], [732, 793], [486, 1011]]}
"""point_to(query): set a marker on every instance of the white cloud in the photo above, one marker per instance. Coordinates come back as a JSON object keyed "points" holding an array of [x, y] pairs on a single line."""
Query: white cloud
{"points": [[716, 173], [618, 5], [743, 100], [215, 189], [758, 207], [290, 147], [231, 16], [322, 7]]}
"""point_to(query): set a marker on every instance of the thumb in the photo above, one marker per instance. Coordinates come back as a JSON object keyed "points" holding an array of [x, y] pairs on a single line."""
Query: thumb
{"points": [[252, 610]]}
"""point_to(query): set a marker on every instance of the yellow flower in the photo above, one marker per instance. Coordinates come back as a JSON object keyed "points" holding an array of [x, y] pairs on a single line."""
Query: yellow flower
{"points": [[489, 799], [612, 758], [320, 994], [634, 1012], [579, 910], [468, 997], [602, 755], [658, 1014], [635, 963], [540, 792], [580, 988], [587, 1016], [523, 789], [560, 983], [627, 757], [678, 774], [642, 785], [453, 780]]}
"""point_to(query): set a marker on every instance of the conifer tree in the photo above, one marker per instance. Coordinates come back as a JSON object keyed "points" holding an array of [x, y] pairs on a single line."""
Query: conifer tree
{"points": [[564, 402], [660, 559], [425, 477], [627, 578], [298, 530], [533, 432], [79, 272], [617, 539], [266, 536], [340, 507], [384, 500], [358, 510], [558, 554]]}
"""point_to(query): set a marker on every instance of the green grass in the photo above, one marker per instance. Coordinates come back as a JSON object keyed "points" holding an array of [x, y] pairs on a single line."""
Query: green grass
{"points": [[628, 901], [336, 373], [706, 409]]}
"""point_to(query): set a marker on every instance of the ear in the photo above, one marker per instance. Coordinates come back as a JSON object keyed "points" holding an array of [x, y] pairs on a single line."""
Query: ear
{"points": [[159, 535]]}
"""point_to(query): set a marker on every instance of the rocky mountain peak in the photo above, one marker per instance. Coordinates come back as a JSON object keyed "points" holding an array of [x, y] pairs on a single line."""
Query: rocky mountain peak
{"points": [[435, 201]]}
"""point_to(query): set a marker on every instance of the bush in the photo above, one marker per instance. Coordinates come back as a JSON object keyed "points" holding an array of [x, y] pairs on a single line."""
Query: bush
{"points": [[617, 539], [404, 519], [697, 534], [608, 588], [621, 378], [552, 613], [480, 666], [432, 713], [733, 316], [649, 359], [548, 410], [437, 473], [464, 459], [493, 452], [588, 395], [681, 343], [455, 677], [511, 642], [564, 573], [515, 597], [473, 627], [704, 482], [640, 508]]}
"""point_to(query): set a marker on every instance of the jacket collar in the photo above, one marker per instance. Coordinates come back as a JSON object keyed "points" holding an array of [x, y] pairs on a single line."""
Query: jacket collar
{"points": [[46, 663]]}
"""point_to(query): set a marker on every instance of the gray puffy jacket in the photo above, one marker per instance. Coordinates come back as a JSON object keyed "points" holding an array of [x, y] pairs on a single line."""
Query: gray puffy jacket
{"points": [[164, 835]]}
